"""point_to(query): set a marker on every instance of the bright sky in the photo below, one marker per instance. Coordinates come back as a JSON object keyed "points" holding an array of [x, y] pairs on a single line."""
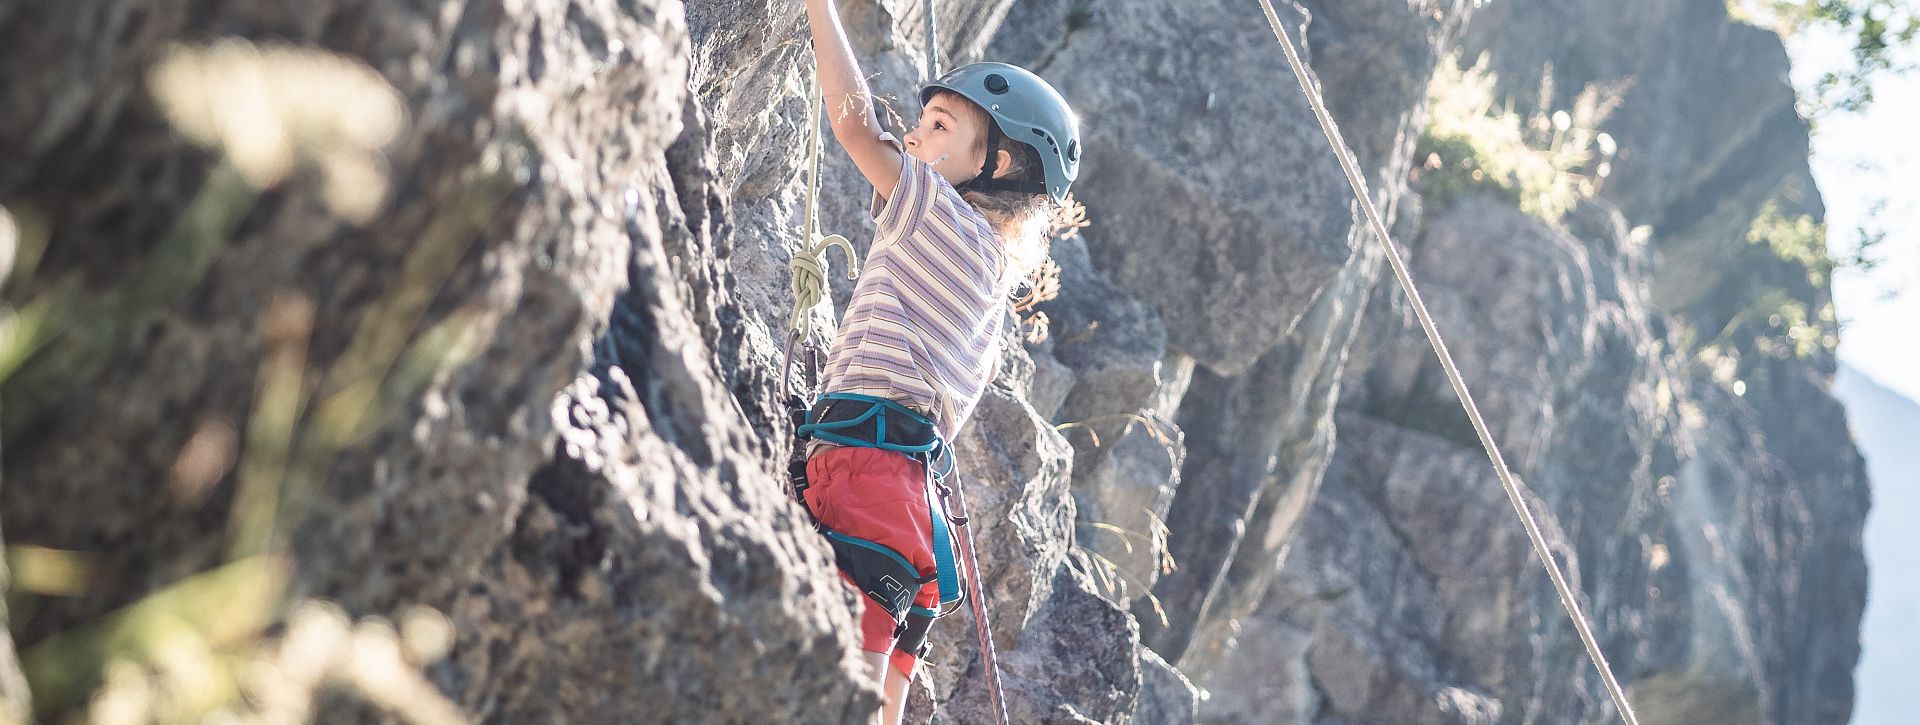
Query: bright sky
{"points": [[1862, 160]]}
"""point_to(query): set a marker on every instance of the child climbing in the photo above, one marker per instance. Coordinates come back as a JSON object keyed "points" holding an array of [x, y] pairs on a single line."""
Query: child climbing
{"points": [[964, 207]]}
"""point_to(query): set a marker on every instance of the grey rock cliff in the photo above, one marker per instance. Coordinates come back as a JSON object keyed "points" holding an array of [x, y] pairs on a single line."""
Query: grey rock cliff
{"points": [[561, 527], [1706, 122], [1651, 465], [610, 192]]}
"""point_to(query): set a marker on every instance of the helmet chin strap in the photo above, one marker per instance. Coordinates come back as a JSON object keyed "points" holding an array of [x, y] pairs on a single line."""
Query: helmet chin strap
{"points": [[985, 181]]}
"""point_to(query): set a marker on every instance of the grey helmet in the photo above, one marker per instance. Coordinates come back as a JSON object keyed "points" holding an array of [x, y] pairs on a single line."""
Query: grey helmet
{"points": [[1025, 108]]}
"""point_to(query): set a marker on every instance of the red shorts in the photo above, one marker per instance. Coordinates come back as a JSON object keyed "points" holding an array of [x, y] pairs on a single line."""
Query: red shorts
{"points": [[879, 496]]}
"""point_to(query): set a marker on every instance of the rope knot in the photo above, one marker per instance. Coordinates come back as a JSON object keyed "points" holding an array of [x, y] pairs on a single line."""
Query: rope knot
{"points": [[809, 267]]}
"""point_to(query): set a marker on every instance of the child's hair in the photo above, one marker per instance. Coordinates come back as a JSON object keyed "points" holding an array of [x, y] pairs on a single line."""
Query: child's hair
{"points": [[1023, 220]]}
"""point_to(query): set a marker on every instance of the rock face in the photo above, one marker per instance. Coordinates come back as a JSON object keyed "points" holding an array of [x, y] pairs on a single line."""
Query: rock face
{"points": [[1391, 594], [1166, 88], [554, 160], [1233, 468], [1696, 183], [1650, 471]]}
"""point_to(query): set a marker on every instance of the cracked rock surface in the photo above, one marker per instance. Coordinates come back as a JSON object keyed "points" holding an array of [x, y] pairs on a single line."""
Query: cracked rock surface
{"points": [[1230, 487]]}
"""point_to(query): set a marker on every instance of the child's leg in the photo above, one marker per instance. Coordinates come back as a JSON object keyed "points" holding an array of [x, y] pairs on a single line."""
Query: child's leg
{"points": [[893, 670], [878, 496], [888, 714], [901, 666], [895, 689], [876, 665], [876, 649]]}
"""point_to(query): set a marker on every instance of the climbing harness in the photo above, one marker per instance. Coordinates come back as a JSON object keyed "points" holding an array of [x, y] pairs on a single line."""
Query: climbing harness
{"points": [[879, 571], [1520, 507], [850, 419]]}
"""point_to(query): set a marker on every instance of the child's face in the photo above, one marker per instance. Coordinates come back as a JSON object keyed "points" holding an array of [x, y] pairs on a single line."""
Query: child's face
{"points": [[951, 137]]}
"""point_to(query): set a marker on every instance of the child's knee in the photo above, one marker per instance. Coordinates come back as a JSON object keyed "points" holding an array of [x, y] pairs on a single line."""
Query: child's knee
{"points": [[877, 665], [906, 663]]}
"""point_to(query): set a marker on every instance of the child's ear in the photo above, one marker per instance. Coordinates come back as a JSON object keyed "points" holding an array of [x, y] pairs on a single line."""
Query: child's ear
{"points": [[1002, 164]]}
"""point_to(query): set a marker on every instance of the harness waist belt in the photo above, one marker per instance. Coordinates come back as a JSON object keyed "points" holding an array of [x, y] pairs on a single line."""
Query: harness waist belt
{"points": [[860, 420]]}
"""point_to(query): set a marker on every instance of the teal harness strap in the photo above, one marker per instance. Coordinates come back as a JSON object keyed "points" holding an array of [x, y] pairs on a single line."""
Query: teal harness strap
{"points": [[946, 571], [879, 407], [943, 566]]}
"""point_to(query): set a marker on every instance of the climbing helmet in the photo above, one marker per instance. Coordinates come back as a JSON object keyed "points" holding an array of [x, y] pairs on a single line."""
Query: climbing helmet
{"points": [[1025, 108]]}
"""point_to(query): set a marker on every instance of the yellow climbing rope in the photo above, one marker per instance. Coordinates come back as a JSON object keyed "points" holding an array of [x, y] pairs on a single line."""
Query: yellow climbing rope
{"points": [[1539, 542], [809, 265]]}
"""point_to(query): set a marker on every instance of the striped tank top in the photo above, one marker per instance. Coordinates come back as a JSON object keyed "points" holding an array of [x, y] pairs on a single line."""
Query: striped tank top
{"points": [[923, 328]]}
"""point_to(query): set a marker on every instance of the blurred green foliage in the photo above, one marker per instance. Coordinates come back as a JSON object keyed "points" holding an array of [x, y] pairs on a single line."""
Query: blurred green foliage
{"points": [[229, 644], [1544, 162], [1797, 239], [1777, 320]]}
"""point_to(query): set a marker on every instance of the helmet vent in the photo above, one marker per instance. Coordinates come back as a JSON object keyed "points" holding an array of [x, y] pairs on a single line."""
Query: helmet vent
{"points": [[997, 84]]}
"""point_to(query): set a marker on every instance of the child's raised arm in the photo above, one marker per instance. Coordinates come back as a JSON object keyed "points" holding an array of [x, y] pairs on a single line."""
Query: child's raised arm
{"points": [[848, 102]]}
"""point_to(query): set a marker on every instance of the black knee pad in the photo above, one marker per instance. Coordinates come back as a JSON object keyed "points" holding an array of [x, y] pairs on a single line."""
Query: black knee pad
{"points": [[913, 635]]}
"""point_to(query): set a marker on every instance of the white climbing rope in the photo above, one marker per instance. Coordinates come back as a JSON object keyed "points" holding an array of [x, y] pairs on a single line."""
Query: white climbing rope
{"points": [[809, 263], [1453, 372], [933, 42]]}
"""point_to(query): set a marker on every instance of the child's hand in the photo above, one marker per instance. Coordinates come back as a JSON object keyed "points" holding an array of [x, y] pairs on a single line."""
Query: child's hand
{"points": [[849, 104]]}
